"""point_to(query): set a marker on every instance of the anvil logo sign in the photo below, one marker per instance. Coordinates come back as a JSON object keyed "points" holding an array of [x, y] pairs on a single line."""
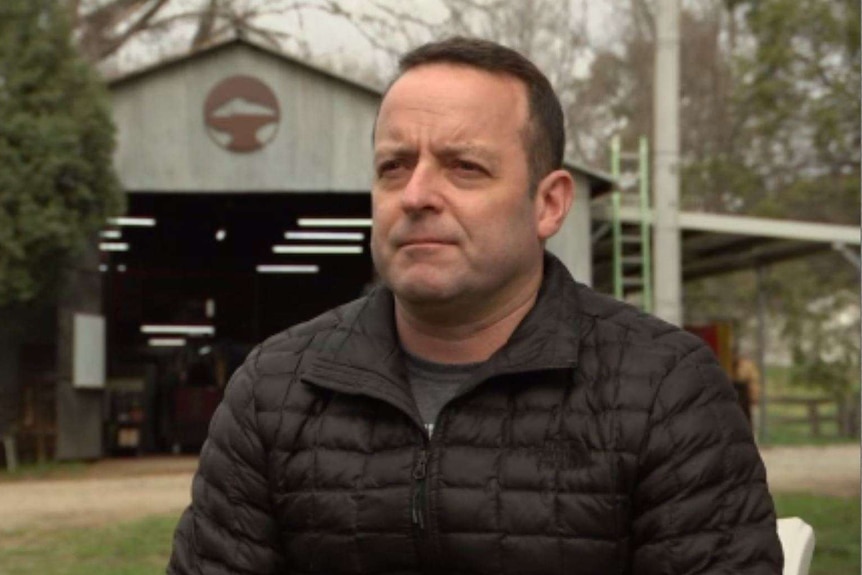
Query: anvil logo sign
{"points": [[241, 114]]}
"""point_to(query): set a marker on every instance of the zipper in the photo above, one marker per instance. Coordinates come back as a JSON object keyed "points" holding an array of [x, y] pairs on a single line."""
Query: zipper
{"points": [[420, 472]]}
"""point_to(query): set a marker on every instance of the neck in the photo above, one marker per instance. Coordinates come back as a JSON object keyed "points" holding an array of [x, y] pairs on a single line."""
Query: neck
{"points": [[447, 337]]}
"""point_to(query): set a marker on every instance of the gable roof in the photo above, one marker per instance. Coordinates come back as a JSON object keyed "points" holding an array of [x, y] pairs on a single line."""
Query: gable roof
{"points": [[223, 46]]}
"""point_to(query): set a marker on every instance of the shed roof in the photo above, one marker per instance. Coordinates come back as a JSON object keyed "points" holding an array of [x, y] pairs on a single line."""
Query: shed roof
{"points": [[715, 244]]}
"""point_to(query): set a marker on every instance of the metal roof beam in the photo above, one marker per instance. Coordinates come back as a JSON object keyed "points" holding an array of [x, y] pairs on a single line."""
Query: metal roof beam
{"points": [[751, 226], [767, 227]]}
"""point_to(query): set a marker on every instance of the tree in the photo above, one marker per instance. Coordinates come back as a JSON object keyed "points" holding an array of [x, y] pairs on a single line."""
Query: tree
{"points": [[57, 184], [796, 114], [797, 105]]}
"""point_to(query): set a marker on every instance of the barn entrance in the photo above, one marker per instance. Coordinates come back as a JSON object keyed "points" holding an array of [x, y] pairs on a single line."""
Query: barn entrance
{"points": [[193, 281]]}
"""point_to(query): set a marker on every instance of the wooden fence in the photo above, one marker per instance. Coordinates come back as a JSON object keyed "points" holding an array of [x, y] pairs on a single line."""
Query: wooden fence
{"points": [[845, 415]]}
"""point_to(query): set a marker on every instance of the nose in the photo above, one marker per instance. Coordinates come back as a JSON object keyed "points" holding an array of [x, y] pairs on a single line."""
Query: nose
{"points": [[422, 191]]}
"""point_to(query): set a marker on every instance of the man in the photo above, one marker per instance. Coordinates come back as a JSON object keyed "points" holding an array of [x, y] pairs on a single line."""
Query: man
{"points": [[480, 412]]}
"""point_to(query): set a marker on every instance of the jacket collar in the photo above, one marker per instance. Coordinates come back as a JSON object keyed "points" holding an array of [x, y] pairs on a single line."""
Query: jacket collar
{"points": [[363, 355]]}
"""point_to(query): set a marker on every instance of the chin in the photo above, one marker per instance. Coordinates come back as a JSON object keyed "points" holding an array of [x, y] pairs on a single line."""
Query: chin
{"points": [[419, 288], [419, 293]]}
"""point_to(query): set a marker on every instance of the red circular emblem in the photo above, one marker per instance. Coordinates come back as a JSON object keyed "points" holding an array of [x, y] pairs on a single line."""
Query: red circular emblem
{"points": [[241, 114]]}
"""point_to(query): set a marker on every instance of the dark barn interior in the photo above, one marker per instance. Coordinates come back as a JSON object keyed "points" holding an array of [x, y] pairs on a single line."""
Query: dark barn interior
{"points": [[197, 267]]}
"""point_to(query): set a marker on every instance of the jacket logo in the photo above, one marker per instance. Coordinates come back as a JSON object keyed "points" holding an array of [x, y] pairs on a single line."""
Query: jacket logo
{"points": [[563, 454]]}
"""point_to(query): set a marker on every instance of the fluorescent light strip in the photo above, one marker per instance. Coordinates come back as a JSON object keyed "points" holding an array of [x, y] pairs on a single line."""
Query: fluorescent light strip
{"points": [[128, 221], [267, 269], [114, 247], [326, 236], [334, 222], [317, 249], [166, 342], [111, 234], [179, 329]]}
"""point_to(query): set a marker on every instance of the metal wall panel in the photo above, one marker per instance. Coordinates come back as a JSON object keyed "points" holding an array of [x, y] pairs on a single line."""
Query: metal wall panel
{"points": [[323, 142], [573, 244]]}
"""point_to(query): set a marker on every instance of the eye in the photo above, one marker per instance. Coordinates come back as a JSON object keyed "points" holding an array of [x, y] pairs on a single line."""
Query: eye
{"points": [[388, 167], [466, 167]]}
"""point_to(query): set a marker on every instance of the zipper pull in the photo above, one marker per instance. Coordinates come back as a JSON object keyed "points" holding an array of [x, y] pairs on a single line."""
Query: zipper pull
{"points": [[421, 466], [418, 519], [419, 473]]}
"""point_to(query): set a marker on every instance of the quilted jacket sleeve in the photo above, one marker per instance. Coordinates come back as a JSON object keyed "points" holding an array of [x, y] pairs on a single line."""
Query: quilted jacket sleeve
{"points": [[701, 504], [229, 527]]}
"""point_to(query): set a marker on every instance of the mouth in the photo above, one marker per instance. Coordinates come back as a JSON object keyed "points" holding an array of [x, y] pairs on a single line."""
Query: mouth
{"points": [[424, 242]]}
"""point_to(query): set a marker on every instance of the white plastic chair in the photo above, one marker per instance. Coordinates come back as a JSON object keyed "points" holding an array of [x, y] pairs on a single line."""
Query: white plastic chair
{"points": [[797, 541]]}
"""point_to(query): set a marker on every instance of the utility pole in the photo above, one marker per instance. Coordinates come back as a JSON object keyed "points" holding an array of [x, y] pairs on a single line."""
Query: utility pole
{"points": [[762, 432], [668, 253]]}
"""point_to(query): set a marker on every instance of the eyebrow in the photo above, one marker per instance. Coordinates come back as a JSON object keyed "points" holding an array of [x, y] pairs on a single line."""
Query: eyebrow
{"points": [[452, 151], [446, 151], [397, 151], [468, 149]]}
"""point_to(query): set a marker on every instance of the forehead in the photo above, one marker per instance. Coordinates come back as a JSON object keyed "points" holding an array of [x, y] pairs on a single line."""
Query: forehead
{"points": [[453, 101]]}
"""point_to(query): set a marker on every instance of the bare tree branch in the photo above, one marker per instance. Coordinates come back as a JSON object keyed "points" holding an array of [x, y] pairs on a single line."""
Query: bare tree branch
{"points": [[206, 24], [98, 37]]}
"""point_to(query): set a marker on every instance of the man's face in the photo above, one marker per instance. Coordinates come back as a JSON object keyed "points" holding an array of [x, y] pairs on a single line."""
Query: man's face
{"points": [[453, 216]]}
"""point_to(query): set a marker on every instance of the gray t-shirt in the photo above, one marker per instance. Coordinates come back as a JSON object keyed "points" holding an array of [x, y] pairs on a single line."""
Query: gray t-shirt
{"points": [[434, 384]]}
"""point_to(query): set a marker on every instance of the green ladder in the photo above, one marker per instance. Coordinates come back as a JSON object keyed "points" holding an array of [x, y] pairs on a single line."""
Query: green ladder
{"points": [[632, 268]]}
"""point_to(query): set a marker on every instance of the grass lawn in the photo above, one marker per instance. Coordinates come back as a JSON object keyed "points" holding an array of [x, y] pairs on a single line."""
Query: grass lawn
{"points": [[47, 470], [836, 530], [142, 547], [135, 548]]}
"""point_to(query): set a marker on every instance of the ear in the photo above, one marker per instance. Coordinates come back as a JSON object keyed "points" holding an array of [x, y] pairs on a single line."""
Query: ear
{"points": [[554, 196]]}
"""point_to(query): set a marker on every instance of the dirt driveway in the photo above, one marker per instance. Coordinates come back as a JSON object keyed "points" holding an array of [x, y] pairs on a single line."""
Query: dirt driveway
{"points": [[821, 469], [116, 490], [106, 492]]}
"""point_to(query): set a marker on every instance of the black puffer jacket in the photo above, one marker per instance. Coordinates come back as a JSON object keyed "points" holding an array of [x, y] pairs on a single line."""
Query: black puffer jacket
{"points": [[598, 440]]}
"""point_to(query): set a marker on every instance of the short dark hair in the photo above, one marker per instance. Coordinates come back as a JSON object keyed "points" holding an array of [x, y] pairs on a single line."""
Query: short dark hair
{"points": [[545, 137]]}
